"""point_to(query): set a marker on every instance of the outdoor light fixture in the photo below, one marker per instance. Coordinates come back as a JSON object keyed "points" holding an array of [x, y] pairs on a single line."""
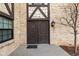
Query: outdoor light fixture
{"points": [[52, 23]]}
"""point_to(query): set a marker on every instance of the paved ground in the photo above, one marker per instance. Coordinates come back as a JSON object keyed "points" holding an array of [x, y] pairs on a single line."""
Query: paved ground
{"points": [[42, 50]]}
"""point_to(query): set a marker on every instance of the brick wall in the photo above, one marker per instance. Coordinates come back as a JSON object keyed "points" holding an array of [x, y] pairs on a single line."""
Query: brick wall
{"points": [[61, 34]]}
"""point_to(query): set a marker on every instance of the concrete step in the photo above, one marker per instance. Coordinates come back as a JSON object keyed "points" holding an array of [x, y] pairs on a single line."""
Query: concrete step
{"points": [[41, 50]]}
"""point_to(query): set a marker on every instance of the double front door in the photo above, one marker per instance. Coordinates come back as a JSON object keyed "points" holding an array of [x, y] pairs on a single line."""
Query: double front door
{"points": [[38, 32], [38, 23]]}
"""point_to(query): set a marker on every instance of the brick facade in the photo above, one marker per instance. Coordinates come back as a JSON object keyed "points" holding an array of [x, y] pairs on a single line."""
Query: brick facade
{"points": [[19, 30]]}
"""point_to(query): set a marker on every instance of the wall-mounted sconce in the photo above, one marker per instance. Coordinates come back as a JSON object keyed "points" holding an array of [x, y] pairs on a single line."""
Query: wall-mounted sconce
{"points": [[52, 23]]}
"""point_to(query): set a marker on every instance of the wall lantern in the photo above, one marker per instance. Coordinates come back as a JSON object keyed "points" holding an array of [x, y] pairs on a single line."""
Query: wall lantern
{"points": [[52, 23]]}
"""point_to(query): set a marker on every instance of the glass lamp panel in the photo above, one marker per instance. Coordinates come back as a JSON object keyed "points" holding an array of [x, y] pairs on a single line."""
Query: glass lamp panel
{"points": [[38, 14], [31, 9], [45, 10]]}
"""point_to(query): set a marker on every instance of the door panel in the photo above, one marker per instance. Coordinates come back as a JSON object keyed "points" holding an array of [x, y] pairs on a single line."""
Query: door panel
{"points": [[37, 32], [32, 33], [43, 31]]}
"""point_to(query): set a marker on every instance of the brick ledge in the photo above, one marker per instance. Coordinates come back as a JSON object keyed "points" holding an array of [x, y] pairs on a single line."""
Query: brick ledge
{"points": [[6, 43]]}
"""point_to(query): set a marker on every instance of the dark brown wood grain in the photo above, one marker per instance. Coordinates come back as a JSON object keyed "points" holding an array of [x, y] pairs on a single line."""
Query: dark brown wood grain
{"points": [[38, 29]]}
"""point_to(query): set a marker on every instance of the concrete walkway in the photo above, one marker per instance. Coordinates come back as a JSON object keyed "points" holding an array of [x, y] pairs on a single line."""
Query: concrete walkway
{"points": [[42, 50]]}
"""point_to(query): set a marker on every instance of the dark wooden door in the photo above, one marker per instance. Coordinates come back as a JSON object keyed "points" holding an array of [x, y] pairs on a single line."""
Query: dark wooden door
{"points": [[37, 32], [38, 23], [32, 33], [42, 31]]}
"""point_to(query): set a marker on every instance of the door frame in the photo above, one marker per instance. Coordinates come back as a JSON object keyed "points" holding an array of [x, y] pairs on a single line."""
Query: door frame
{"points": [[40, 20]]}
